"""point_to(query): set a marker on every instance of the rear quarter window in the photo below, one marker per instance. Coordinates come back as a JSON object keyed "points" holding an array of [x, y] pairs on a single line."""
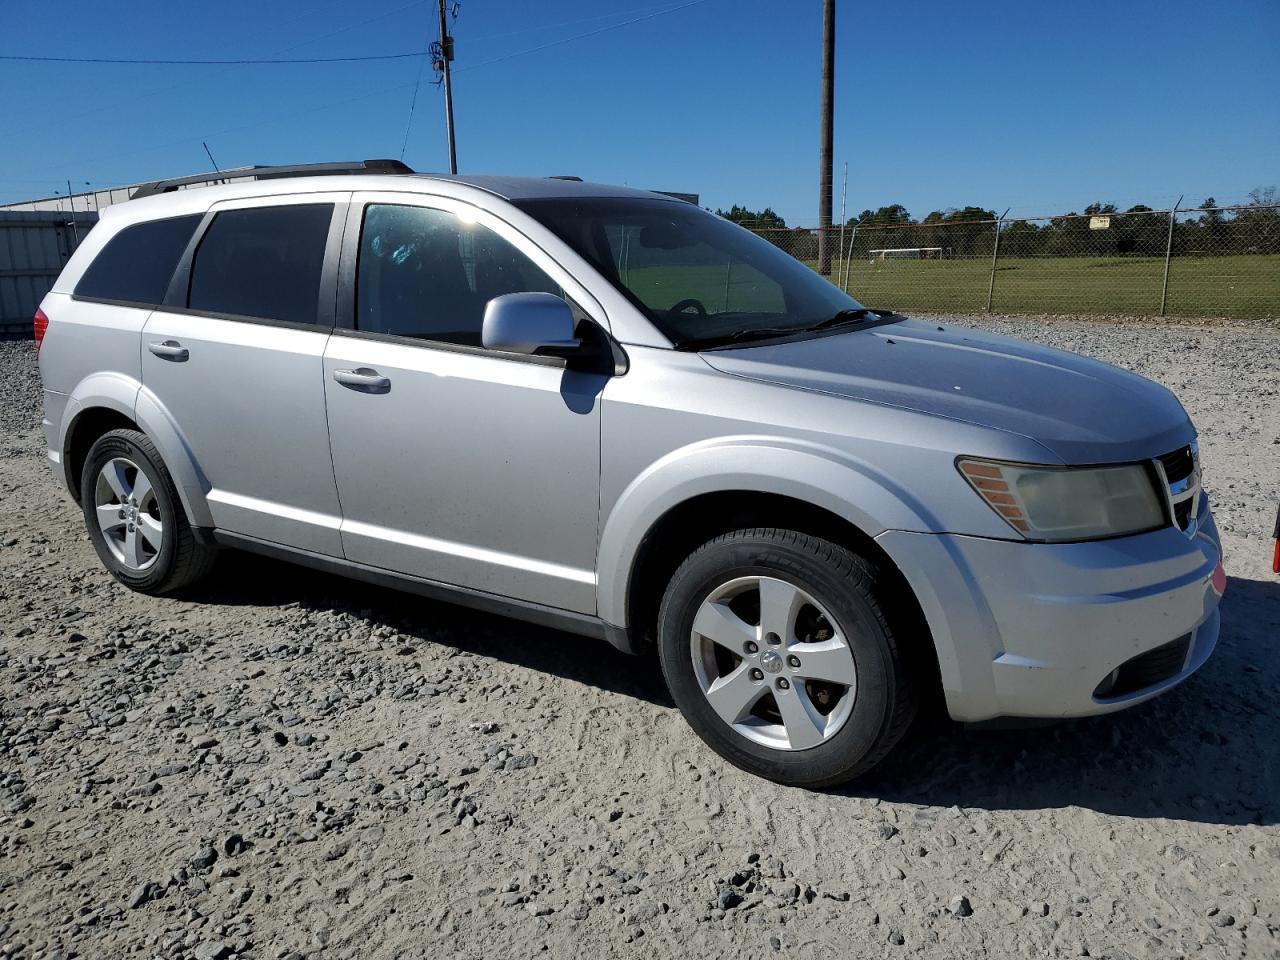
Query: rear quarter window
{"points": [[137, 264]]}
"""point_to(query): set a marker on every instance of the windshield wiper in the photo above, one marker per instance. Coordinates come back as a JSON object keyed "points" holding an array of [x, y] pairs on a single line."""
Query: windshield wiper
{"points": [[738, 336], [855, 315]]}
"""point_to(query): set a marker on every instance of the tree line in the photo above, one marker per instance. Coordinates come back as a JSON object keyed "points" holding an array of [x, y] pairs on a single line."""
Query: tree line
{"points": [[1101, 229]]}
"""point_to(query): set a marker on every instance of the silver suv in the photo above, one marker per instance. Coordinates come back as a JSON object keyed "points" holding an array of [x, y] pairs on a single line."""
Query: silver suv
{"points": [[610, 411]]}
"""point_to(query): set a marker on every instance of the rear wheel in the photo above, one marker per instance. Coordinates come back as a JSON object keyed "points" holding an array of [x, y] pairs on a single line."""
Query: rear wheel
{"points": [[134, 517], [778, 649]]}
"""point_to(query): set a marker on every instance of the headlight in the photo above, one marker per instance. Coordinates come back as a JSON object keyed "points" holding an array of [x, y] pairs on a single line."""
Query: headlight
{"points": [[1067, 503]]}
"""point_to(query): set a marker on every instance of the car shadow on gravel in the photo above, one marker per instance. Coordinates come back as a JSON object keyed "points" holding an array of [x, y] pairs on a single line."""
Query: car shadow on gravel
{"points": [[1207, 751], [243, 579]]}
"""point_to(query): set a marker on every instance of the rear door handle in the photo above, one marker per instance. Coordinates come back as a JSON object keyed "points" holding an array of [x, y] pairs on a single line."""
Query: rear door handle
{"points": [[363, 378], [169, 350]]}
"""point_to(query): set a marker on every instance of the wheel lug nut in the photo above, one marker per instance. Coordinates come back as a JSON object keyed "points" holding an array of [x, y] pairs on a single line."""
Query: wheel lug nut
{"points": [[751, 646], [783, 683], [772, 639], [793, 661], [757, 674]]}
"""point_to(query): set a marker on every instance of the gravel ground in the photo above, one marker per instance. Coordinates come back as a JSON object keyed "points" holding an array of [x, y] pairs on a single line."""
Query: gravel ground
{"points": [[283, 764]]}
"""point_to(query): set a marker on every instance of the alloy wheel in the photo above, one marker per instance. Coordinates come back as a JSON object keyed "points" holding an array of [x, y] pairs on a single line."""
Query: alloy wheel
{"points": [[773, 663], [128, 513]]}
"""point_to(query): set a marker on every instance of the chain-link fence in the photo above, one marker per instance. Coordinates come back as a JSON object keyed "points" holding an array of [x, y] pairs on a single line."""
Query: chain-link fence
{"points": [[1219, 262]]}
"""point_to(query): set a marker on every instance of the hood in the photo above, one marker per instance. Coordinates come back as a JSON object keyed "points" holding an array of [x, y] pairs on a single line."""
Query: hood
{"points": [[1082, 410]]}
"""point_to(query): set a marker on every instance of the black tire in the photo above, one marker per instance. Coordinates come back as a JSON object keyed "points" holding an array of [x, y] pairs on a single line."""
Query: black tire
{"points": [[182, 558], [861, 600]]}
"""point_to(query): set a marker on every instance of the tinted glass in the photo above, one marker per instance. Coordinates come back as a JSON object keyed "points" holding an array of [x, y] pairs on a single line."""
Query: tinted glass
{"points": [[696, 276], [263, 262], [138, 262], [428, 274]]}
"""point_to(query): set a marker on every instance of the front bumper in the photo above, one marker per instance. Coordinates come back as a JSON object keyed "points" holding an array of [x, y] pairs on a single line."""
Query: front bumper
{"points": [[1039, 630]]}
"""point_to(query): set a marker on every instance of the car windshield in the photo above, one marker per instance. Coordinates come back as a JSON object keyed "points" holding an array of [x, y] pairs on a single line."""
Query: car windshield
{"points": [[701, 280]]}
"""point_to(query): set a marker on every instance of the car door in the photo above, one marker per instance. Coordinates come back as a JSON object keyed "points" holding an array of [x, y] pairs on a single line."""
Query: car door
{"points": [[455, 463], [235, 357]]}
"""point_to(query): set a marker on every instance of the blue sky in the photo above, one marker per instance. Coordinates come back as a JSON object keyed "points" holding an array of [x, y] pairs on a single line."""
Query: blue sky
{"points": [[1041, 107]]}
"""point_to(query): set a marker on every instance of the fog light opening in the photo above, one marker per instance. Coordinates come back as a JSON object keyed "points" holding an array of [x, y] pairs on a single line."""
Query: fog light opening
{"points": [[1108, 684]]}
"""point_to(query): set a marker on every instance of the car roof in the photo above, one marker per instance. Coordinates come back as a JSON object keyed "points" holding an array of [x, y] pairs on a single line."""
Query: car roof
{"points": [[537, 188], [197, 199]]}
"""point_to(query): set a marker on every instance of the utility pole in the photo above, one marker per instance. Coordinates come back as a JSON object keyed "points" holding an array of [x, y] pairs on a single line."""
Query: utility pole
{"points": [[824, 163], [443, 51]]}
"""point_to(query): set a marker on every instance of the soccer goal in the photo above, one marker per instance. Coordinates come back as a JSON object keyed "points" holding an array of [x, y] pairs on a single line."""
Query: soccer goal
{"points": [[908, 253]]}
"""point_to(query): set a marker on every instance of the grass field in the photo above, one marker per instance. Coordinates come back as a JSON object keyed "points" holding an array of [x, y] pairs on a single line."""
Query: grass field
{"points": [[1242, 287]]}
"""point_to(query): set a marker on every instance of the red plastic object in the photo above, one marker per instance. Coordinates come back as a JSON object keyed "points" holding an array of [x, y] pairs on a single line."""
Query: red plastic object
{"points": [[1219, 579], [1275, 557], [41, 323]]}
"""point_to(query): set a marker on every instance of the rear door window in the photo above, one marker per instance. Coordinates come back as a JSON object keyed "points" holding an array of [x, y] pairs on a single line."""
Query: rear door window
{"points": [[262, 263], [137, 264]]}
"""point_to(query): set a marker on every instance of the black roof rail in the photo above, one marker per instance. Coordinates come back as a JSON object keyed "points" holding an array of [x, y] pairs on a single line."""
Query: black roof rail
{"points": [[565, 176], [271, 173]]}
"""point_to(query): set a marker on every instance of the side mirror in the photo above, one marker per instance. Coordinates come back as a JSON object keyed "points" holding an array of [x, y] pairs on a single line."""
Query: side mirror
{"points": [[529, 323]]}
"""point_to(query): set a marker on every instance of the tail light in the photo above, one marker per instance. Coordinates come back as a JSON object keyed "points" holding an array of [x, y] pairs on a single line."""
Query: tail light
{"points": [[41, 323], [1275, 556]]}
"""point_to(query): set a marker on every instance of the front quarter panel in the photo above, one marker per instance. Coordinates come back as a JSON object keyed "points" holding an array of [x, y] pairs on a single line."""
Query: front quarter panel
{"points": [[674, 428], [756, 463]]}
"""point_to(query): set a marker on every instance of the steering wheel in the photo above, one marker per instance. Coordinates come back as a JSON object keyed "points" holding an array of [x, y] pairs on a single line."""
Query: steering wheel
{"points": [[685, 304]]}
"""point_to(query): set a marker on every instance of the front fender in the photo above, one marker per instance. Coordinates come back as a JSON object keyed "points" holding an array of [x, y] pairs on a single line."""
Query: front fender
{"points": [[126, 396], [822, 476]]}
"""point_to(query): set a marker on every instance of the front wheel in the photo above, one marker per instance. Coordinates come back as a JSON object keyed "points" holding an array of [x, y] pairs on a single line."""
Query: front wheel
{"points": [[134, 517], [777, 648]]}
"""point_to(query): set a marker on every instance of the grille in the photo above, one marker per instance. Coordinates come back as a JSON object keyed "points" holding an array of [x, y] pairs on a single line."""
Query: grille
{"points": [[1178, 465], [1145, 670], [1182, 514], [1181, 469]]}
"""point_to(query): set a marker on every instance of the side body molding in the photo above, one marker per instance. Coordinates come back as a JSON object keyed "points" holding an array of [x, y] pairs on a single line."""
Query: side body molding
{"points": [[125, 395], [820, 475]]}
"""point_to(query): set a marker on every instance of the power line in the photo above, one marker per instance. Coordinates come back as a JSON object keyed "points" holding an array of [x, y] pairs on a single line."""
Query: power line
{"points": [[361, 59], [412, 106], [329, 104], [205, 63], [160, 90]]}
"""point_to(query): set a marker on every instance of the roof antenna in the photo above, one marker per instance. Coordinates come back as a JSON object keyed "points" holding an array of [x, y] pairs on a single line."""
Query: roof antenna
{"points": [[216, 168]]}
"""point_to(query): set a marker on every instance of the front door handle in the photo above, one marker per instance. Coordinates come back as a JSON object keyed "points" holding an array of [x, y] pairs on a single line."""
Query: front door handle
{"points": [[169, 350], [363, 378]]}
